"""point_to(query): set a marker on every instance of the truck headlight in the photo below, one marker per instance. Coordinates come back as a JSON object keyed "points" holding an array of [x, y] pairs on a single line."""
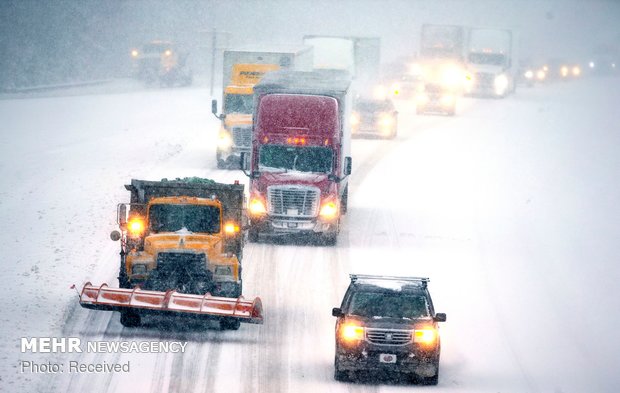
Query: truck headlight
{"points": [[576, 71], [501, 84], [223, 270], [452, 77], [386, 121], [224, 141], [134, 53], [329, 209], [421, 98], [138, 268], [447, 99], [529, 74], [257, 207], [425, 336], [135, 226], [230, 228], [355, 119], [351, 332], [541, 75]]}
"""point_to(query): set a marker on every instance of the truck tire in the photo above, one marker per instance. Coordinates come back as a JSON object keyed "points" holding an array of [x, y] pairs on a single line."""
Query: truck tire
{"points": [[130, 319], [230, 324], [123, 281], [330, 239], [253, 235], [221, 164], [344, 202]]}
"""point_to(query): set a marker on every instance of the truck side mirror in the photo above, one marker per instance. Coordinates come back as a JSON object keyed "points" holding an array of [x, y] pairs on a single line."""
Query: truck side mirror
{"points": [[440, 317], [122, 213], [337, 312], [347, 166], [244, 163]]}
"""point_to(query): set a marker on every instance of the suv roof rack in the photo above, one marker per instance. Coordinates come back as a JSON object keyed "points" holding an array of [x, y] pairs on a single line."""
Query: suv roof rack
{"points": [[356, 277]]}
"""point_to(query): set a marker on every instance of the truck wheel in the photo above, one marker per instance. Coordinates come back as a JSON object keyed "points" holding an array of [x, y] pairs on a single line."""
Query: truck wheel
{"points": [[344, 203], [130, 319], [253, 235], [229, 324], [221, 164], [330, 239], [123, 281]]}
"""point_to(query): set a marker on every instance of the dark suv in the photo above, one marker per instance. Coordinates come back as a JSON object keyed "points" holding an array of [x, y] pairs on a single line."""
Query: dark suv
{"points": [[388, 324]]}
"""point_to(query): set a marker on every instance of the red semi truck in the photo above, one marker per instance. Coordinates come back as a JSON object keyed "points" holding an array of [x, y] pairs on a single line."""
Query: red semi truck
{"points": [[300, 158]]}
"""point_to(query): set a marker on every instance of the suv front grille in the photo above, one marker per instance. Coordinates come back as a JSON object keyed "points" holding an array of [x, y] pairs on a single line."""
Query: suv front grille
{"points": [[388, 336], [242, 136], [294, 201]]}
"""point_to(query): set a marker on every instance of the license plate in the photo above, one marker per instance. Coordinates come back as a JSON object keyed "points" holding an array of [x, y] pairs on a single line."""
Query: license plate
{"points": [[292, 225], [387, 358]]}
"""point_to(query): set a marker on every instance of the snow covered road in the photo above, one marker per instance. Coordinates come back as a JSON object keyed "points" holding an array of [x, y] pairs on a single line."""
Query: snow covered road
{"points": [[510, 208]]}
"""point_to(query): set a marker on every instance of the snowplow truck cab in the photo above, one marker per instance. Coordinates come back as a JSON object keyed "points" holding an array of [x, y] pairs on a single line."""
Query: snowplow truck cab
{"points": [[182, 235], [162, 61]]}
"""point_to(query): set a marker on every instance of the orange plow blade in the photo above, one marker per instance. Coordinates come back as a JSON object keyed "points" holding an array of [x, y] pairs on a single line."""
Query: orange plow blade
{"points": [[119, 299]]}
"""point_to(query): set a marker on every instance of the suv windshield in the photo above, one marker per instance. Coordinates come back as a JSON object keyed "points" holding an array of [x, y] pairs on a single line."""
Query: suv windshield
{"points": [[299, 158], [388, 305], [194, 218], [239, 103]]}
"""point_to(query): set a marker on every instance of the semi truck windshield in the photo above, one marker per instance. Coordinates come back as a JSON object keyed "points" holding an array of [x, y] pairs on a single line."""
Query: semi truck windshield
{"points": [[238, 103], [194, 218], [298, 158]]}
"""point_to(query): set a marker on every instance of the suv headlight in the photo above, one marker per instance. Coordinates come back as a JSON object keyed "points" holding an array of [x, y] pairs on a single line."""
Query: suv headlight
{"points": [[425, 336], [351, 332]]}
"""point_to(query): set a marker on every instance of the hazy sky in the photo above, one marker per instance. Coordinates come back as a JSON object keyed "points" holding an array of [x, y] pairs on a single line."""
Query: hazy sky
{"points": [[94, 37]]}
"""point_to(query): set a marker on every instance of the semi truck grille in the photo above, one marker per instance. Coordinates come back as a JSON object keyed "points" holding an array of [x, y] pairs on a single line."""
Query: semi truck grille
{"points": [[294, 201], [242, 136], [388, 337], [485, 79]]}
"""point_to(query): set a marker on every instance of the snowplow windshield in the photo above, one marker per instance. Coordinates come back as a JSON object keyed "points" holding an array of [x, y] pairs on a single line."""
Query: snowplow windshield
{"points": [[303, 159], [194, 218], [388, 305]]}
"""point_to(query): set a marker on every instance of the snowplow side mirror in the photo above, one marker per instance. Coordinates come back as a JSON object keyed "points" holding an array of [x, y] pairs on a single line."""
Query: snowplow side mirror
{"points": [[347, 166], [337, 312], [440, 317], [122, 214], [115, 235]]}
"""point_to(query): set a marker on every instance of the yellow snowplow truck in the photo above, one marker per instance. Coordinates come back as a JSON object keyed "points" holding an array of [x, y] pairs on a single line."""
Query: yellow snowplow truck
{"points": [[181, 250], [163, 62]]}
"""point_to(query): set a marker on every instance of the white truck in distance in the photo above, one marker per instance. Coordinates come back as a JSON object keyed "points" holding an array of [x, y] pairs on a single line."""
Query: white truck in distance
{"points": [[492, 62]]}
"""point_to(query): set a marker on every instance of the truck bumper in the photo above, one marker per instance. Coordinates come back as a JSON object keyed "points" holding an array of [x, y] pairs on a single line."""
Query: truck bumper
{"points": [[231, 154], [286, 226]]}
